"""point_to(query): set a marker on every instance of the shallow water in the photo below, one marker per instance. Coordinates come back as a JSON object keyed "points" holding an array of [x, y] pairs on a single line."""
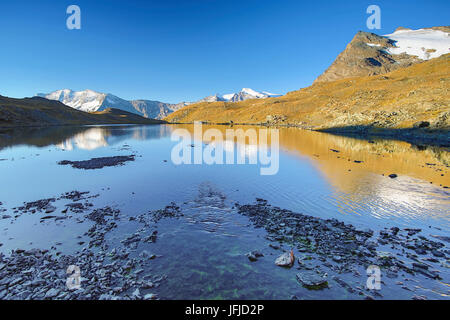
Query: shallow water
{"points": [[203, 253]]}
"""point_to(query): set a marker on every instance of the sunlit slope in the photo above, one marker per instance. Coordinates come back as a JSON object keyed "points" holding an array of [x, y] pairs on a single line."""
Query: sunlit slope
{"points": [[42, 112], [398, 99]]}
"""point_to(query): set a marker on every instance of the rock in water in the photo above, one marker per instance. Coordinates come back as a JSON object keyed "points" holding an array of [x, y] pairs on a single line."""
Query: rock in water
{"points": [[150, 296], [254, 255], [98, 163], [286, 260], [312, 281], [51, 293], [136, 294]]}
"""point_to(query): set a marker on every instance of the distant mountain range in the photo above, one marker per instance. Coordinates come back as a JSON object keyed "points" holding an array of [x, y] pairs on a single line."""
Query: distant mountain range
{"points": [[244, 94], [92, 101]]}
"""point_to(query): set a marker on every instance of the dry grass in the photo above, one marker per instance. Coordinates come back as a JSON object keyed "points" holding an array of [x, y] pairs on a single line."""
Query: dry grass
{"points": [[42, 112], [393, 100]]}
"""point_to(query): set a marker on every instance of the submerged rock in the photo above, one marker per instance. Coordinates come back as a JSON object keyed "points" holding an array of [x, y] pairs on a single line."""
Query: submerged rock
{"points": [[111, 273], [136, 294], [51, 293], [343, 248], [150, 296], [254, 255], [98, 163], [438, 254], [311, 280]]}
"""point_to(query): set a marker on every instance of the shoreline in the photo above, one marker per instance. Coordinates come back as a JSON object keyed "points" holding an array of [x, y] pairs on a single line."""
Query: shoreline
{"points": [[416, 136], [319, 253], [2, 127]]}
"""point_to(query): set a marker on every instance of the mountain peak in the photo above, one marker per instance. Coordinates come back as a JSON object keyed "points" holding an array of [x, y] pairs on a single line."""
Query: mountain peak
{"points": [[244, 94], [92, 101], [370, 54]]}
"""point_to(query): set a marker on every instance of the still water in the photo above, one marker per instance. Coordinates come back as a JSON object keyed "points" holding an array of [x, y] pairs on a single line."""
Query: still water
{"points": [[202, 255]]}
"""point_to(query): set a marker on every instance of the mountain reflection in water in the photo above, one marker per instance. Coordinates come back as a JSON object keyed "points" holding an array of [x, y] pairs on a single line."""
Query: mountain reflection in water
{"points": [[356, 170]]}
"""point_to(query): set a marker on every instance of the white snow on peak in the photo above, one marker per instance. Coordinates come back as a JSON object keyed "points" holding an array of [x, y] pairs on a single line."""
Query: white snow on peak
{"points": [[228, 96], [424, 43], [91, 101], [373, 45], [253, 92], [87, 100], [248, 93], [272, 95]]}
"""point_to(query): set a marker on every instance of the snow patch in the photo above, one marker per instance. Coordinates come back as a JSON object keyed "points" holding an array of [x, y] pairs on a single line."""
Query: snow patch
{"points": [[426, 44]]}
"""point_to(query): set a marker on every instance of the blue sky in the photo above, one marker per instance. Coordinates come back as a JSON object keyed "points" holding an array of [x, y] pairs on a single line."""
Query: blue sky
{"points": [[184, 50]]}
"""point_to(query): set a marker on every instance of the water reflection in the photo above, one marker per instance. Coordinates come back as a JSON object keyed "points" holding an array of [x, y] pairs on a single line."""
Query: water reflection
{"points": [[75, 137], [357, 170], [89, 140], [335, 156], [320, 175]]}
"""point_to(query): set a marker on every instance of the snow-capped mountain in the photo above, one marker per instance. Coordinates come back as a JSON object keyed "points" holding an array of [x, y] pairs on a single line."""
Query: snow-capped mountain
{"points": [[371, 54], [213, 98], [91, 101], [244, 94], [87, 100]]}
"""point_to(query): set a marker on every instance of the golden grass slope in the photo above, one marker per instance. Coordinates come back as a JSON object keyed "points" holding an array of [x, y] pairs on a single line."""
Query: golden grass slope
{"points": [[398, 99]]}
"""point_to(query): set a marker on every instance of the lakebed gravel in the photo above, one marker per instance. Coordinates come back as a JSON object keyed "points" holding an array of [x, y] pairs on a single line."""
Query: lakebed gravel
{"points": [[325, 251]]}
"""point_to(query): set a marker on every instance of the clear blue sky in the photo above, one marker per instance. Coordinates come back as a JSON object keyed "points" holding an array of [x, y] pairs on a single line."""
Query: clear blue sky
{"points": [[184, 50]]}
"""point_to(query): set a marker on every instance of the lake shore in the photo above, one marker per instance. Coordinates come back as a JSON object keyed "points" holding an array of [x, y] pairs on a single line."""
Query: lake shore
{"points": [[338, 206], [323, 252], [416, 136]]}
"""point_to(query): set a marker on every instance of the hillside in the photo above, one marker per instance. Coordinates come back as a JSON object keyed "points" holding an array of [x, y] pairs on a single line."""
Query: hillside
{"points": [[39, 111], [370, 54], [414, 96]]}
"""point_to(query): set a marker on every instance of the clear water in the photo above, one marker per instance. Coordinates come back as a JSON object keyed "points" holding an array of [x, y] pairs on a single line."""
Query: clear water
{"points": [[203, 253]]}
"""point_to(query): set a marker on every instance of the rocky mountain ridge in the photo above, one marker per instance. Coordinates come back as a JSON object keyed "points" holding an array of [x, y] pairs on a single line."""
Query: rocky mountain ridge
{"points": [[371, 54], [92, 101]]}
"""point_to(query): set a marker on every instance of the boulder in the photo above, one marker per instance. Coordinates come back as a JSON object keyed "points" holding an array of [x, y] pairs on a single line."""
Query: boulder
{"points": [[312, 280], [285, 260]]}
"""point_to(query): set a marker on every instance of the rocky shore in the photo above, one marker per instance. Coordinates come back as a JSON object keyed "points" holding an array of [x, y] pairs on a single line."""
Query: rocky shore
{"points": [[117, 265], [416, 136], [326, 246], [109, 271]]}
